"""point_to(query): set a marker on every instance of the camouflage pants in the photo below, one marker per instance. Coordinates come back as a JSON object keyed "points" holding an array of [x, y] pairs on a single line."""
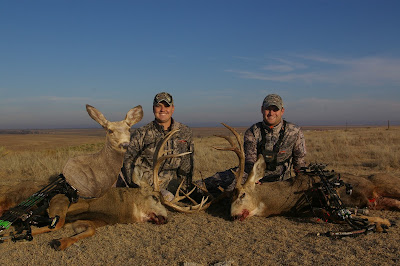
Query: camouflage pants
{"points": [[220, 181]]}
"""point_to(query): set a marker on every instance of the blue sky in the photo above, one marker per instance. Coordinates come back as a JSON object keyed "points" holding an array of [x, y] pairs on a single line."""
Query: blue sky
{"points": [[333, 62]]}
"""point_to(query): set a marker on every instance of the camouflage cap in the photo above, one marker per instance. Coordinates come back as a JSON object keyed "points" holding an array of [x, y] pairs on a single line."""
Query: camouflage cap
{"points": [[163, 97], [273, 99]]}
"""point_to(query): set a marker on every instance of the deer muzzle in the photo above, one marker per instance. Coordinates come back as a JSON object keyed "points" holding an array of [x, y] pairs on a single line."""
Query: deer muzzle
{"points": [[124, 145], [242, 216], [157, 219]]}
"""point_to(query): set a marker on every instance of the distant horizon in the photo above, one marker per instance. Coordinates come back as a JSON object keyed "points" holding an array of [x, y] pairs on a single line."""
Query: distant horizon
{"points": [[214, 125]]}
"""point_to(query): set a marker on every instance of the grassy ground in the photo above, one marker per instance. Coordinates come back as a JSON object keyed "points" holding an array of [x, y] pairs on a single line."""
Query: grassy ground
{"points": [[211, 237], [355, 150]]}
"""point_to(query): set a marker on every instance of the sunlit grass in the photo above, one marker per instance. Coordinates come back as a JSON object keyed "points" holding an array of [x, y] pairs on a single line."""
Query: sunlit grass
{"points": [[357, 151], [3, 151], [42, 164]]}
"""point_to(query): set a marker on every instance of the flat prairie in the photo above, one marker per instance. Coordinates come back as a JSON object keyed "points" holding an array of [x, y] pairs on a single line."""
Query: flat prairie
{"points": [[210, 237]]}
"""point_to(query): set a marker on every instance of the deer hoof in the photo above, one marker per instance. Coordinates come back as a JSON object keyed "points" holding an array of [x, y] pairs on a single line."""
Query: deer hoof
{"points": [[55, 243]]}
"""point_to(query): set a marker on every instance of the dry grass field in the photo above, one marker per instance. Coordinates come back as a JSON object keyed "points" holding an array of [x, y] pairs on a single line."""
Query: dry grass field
{"points": [[211, 237]]}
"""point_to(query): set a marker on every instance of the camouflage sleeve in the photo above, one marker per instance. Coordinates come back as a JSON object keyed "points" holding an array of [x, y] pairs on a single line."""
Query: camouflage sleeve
{"points": [[299, 152], [134, 147], [185, 169], [250, 149]]}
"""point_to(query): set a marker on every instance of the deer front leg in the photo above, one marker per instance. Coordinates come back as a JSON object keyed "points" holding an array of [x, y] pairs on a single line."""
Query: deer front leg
{"points": [[82, 228], [380, 223], [58, 207]]}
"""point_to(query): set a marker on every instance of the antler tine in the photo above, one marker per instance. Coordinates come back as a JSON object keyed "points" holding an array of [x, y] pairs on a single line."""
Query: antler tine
{"points": [[178, 197], [187, 209], [231, 148], [237, 135], [239, 150], [158, 158], [160, 148], [229, 139]]}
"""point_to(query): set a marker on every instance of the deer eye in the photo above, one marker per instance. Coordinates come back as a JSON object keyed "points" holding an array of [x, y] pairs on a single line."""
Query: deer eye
{"points": [[242, 196], [110, 131], [155, 198]]}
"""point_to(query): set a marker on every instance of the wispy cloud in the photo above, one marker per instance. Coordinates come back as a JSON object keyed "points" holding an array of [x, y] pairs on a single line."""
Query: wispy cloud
{"points": [[279, 68], [351, 110], [284, 65], [306, 77], [246, 58], [49, 99], [313, 68]]}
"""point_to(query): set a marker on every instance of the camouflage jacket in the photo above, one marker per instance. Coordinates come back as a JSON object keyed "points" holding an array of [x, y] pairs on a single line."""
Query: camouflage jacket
{"points": [[292, 150], [141, 150]]}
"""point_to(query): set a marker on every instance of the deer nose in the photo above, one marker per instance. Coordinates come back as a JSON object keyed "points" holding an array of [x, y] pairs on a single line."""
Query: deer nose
{"points": [[242, 216], [158, 219], [162, 219], [235, 217], [124, 145]]}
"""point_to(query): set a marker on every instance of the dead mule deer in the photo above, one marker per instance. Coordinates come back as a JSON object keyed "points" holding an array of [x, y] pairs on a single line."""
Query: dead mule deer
{"points": [[117, 205], [270, 198]]}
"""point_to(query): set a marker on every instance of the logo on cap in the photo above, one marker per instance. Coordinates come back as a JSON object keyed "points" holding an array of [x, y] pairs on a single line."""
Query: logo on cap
{"points": [[163, 97]]}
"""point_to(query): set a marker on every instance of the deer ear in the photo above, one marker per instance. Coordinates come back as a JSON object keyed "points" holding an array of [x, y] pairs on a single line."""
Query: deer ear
{"points": [[257, 172], [134, 115], [96, 115]]}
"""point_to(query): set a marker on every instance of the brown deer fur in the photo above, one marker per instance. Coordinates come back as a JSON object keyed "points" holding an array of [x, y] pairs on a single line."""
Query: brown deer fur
{"points": [[117, 205], [92, 175], [376, 192], [278, 198]]}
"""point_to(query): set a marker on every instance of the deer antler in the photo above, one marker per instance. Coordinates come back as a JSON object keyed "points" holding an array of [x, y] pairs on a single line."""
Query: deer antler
{"points": [[238, 149], [187, 208], [159, 157]]}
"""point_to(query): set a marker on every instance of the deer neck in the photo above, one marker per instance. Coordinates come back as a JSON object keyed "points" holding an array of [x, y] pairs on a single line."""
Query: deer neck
{"points": [[111, 155], [92, 175]]}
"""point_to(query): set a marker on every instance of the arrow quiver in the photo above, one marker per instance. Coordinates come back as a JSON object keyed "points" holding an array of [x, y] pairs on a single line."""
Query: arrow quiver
{"points": [[32, 211]]}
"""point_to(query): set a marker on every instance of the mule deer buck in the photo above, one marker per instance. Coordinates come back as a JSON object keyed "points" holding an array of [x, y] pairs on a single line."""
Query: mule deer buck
{"points": [[272, 198], [117, 205]]}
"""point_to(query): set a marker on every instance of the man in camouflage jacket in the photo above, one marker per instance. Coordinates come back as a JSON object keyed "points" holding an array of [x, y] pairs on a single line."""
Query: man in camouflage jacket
{"points": [[281, 143], [143, 144]]}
